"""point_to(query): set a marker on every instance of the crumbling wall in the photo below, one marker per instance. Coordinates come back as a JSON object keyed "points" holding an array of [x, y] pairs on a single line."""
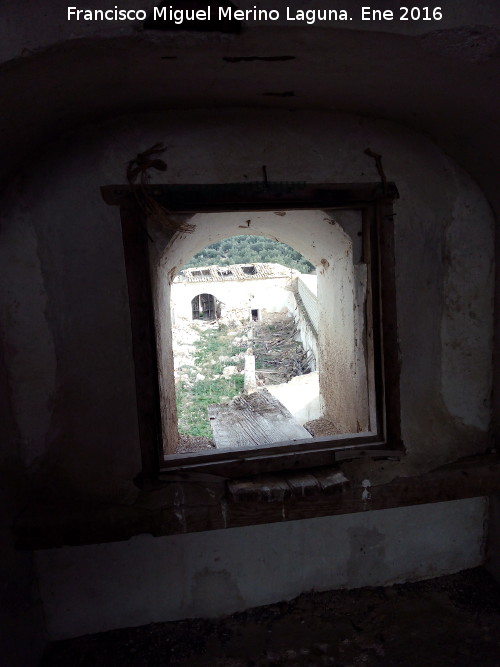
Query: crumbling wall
{"points": [[272, 295], [338, 379]]}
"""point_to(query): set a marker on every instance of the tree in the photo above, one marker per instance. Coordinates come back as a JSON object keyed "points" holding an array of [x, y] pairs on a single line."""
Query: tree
{"points": [[247, 249]]}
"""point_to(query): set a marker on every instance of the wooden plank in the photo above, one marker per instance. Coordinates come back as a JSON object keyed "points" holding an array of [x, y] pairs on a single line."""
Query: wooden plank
{"points": [[256, 419], [261, 489], [391, 454], [389, 322], [342, 441], [197, 198], [263, 459], [136, 252], [303, 484], [41, 527], [332, 481], [401, 492], [264, 464]]}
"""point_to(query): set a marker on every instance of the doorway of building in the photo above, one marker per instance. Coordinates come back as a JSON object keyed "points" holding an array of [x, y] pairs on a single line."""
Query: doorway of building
{"points": [[205, 307]]}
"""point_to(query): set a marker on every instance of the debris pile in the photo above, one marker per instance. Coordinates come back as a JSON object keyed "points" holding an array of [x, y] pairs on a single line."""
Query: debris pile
{"points": [[279, 355]]}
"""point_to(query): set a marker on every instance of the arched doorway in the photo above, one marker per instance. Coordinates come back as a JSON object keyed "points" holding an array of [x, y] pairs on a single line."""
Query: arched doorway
{"points": [[205, 307]]}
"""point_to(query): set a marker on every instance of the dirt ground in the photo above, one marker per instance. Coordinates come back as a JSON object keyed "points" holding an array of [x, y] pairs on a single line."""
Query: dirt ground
{"points": [[451, 621]]}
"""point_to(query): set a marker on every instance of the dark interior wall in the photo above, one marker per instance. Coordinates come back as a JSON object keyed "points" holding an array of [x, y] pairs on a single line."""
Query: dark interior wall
{"points": [[65, 322], [64, 295], [496, 349], [67, 330], [493, 546], [22, 627]]}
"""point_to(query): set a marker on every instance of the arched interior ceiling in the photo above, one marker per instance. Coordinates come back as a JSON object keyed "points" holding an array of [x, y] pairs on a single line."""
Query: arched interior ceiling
{"points": [[444, 83]]}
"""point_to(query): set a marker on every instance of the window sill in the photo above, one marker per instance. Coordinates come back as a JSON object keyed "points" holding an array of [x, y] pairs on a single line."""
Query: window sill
{"points": [[210, 502]]}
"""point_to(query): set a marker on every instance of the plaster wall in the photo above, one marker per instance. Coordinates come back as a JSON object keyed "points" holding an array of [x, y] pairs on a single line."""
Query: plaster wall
{"points": [[69, 405], [100, 587], [69, 368], [63, 293], [22, 625], [493, 546], [53, 26]]}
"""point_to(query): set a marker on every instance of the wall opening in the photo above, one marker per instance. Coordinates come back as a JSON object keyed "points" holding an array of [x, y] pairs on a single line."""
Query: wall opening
{"points": [[330, 316], [205, 307], [344, 229], [227, 353]]}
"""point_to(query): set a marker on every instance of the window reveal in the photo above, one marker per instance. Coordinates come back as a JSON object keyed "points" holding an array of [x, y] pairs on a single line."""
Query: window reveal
{"points": [[375, 205]]}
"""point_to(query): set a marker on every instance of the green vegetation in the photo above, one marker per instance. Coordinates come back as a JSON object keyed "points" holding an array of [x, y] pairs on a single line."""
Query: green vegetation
{"points": [[247, 250], [194, 396]]}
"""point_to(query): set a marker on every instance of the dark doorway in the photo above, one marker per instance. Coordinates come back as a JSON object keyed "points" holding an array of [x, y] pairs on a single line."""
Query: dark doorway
{"points": [[204, 307]]}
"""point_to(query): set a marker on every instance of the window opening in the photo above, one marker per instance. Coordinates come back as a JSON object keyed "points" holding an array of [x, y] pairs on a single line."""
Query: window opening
{"points": [[249, 270], [222, 355], [370, 244], [304, 350]]}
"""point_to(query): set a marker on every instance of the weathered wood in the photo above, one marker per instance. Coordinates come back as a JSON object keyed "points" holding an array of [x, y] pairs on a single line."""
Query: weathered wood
{"points": [[42, 527], [277, 488], [255, 196], [386, 258], [263, 459], [375, 453], [261, 489], [136, 252], [257, 419], [303, 484], [401, 492], [348, 441], [331, 481]]}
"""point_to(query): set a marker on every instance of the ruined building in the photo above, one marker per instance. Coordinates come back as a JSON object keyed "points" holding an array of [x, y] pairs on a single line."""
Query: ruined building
{"points": [[94, 535]]}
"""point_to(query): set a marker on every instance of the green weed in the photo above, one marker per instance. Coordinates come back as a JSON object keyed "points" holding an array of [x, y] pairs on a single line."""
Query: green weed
{"points": [[194, 397]]}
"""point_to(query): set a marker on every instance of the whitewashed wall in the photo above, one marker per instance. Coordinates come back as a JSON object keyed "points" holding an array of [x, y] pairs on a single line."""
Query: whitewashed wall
{"points": [[271, 295]]}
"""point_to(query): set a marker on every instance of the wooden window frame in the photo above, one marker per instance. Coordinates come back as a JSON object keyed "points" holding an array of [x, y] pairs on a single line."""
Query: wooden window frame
{"points": [[375, 203]]}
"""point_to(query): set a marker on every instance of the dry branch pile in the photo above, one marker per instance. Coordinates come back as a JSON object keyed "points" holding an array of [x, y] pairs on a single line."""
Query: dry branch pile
{"points": [[279, 356]]}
